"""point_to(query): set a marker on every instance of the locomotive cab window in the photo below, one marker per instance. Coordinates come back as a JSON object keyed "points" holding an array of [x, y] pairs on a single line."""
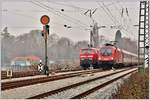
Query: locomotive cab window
{"points": [[106, 51], [89, 51]]}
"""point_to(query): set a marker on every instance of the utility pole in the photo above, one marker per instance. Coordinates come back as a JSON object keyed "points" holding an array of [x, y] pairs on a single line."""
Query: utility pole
{"points": [[94, 37]]}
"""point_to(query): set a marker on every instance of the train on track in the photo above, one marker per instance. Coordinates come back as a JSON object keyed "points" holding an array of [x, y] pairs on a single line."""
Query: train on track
{"points": [[107, 56], [89, 57]]}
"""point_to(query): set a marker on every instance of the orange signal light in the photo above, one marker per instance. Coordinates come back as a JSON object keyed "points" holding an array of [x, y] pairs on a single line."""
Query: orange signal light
{"points": [[45, 19]]}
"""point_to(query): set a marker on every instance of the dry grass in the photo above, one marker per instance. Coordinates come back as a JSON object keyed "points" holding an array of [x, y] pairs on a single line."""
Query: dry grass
{"points": [[58, 67], [136, 87]]}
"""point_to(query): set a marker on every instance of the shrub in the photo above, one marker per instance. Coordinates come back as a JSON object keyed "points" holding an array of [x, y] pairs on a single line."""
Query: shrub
{"points": [[135, 87]]}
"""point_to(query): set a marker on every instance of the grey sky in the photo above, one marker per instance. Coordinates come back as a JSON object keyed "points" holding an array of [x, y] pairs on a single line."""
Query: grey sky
{"points": [[21, 16]]}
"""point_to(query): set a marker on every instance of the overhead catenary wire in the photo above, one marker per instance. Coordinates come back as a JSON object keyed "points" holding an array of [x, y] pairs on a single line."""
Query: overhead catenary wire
{"points": [[118, 10], [122, 16], [67, 5], [75, 20], [81, 10], [27, 16], [116, 21], [119, 13], [112, 18], [37, 11], [119, 21], [106, 12], [66, 17], [130, 24], [21, 14]]}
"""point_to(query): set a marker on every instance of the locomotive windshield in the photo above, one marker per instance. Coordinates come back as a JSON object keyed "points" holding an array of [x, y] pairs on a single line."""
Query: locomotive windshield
{"points": [[84, 51], [106, 52]]}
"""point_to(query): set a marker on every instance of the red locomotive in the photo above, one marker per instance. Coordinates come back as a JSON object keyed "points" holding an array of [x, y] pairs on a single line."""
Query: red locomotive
{"points": [[89, 57], [107, 56], [112, 56]]}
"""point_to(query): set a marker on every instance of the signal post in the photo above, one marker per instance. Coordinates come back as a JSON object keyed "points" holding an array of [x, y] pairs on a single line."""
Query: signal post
{"points": [[45, 32]]}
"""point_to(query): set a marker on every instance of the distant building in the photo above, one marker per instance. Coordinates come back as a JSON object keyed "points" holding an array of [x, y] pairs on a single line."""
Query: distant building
{"points": [[25, 61]]}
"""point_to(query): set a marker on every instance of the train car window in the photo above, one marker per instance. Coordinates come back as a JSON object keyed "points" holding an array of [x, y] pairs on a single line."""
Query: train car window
{"points": [[84, 51], [106, 51]]}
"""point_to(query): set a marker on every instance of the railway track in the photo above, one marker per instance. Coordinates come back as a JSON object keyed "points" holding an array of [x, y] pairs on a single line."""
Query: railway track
{"points": [[56, 92], [28, 73], [19, 74], [27, 82], [86, 93]]}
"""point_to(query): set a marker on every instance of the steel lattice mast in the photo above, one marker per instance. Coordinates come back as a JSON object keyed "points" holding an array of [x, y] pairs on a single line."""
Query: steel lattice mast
{"points": [[143, 36]]}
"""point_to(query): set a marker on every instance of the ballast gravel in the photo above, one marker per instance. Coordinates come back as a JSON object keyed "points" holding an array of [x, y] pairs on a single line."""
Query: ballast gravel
{"points": [[106, 92], [79, 89], [36, 76], [32, 90]]}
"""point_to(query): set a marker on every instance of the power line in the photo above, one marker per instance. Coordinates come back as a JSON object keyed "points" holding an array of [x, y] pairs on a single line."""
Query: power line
{"points": [[108, 12], [27, 16], [114, 17], [20, 14], [73, 20], [24, 15], [125, 28], [72, 6], [119, 13], [67, 5], [129, 19], [117, 10], [36, 10]]}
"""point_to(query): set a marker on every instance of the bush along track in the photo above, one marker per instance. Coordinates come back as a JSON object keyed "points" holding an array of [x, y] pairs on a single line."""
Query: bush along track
{"points": [[135, 87]]}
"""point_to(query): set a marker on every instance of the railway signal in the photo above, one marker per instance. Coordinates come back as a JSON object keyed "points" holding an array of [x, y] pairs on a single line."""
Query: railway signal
{"points": [[45, 19], [40, 67], [45, 32]]}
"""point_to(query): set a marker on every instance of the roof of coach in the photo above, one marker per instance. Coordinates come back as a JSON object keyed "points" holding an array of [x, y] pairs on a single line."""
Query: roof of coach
{"points": [[113, 47], [88, 48], [129, 53]]}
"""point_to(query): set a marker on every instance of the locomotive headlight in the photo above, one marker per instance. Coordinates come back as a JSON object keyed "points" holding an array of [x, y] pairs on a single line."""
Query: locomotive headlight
{"points": [[99, 58], [90, 58], [82, 58], [112, 58]]}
